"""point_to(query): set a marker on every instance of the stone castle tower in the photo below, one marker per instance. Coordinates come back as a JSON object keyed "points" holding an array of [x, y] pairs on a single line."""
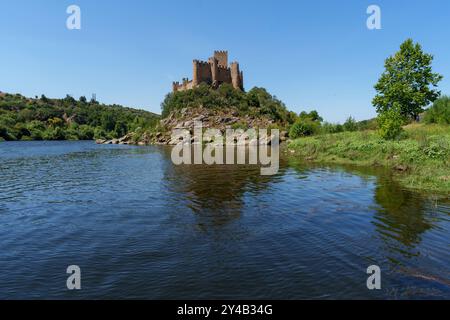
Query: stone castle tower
{"points": [[214, 72]]}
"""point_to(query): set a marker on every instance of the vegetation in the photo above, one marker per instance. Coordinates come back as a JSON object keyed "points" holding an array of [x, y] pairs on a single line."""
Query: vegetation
{"points": [[421, 159], [256, 102], [22, 118], [439, 113], [418, 153], [390, 123], [407, 82], [306, 124]]}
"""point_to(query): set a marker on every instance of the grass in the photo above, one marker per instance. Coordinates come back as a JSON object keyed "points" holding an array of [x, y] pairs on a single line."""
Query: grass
{"points": [[419, 160]]}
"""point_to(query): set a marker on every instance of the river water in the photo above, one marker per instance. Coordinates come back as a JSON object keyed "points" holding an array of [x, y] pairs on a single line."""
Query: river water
{"points": [[140, 227]]}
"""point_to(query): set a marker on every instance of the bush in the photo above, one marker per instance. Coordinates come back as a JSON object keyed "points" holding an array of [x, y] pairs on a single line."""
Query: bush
{"points": [[331, 128], [303, 128], [439, 113], [99, 133], [350, 124], [85, 132], [390, 124]]}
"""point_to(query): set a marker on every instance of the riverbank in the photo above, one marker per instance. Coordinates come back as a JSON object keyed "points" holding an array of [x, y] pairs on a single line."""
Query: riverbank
{"points": [[420, 160]]}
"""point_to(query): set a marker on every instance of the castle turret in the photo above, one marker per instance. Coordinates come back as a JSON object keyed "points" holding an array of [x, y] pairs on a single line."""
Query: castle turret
{"points": [[236, 76], [214, 71], [195, 73], [222, 58]]}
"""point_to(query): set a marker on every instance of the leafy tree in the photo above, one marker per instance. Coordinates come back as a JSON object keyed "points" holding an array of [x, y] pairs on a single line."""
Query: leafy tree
{"points": [[120, 128], [390, 123], [408, 81], [313, 116], [69, 99], [439, 112]]}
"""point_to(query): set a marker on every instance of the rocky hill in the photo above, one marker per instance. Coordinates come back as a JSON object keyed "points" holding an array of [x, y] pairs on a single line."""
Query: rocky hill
{"points": [[218, 109]]}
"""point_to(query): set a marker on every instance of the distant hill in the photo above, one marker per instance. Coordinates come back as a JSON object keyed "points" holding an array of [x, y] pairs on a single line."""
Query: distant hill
{"points": [[23, 118]]}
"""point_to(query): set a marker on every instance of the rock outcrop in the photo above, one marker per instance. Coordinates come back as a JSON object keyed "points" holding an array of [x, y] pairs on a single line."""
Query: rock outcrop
{"points": [[186, 118]]}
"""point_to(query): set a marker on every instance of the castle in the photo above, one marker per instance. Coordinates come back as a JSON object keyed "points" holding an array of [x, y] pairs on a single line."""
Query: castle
{"points": [[214, 72]]}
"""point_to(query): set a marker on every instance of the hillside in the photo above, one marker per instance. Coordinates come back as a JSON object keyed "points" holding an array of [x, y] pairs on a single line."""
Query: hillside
{"points": [[220, 108], [42, 118]]}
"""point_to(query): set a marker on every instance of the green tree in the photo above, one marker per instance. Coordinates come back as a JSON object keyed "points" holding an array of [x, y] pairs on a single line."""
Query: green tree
{"points": [[44, 98], [439, 112], [313, 116], [408, 81], [120, 128], [390, 123]]}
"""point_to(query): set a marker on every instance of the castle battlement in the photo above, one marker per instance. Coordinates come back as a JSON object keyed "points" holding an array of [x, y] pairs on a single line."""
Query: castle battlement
{"points": [[213, 72]]}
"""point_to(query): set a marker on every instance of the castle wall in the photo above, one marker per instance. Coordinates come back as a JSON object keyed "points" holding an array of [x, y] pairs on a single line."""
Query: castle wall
{"points": [[204, 72], [214, 72], [224, 75], [186, 85]]}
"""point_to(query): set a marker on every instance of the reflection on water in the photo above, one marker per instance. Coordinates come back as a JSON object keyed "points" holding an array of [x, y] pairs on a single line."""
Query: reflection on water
{"points": [[402, 216], [140, 227]]}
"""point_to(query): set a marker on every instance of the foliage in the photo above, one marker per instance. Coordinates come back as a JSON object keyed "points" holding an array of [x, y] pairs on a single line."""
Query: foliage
{"points": [[302, 128], [350, 124], [22, 118], [423, 152], [255, 102], [328, 127], [440, 112], [390, 123], [408, 81], [313, 116]]}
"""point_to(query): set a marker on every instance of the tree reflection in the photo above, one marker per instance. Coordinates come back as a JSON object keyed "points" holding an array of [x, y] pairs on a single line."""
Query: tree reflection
{"points": [[215, 193], [401, 216]]}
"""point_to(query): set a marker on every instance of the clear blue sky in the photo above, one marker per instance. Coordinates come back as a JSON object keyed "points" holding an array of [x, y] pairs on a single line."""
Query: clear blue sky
{"points": [[311, 54]]}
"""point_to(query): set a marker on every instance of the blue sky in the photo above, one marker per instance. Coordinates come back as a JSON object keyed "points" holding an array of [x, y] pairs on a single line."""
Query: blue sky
{"points": [[310, 54]]}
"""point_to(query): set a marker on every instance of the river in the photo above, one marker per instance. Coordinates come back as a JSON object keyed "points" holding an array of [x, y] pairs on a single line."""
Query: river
{"points": [[140, 227]]}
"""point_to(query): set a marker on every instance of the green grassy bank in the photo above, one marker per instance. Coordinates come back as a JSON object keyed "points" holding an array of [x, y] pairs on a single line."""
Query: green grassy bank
{"points": [[419, 160]]}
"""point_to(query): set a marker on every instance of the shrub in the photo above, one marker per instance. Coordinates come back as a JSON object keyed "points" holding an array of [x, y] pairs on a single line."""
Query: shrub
{"points": [[85, 132], [331, 128], [100, 133], [350, 124], [439, 112], [390, 124], [302, 128]]}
